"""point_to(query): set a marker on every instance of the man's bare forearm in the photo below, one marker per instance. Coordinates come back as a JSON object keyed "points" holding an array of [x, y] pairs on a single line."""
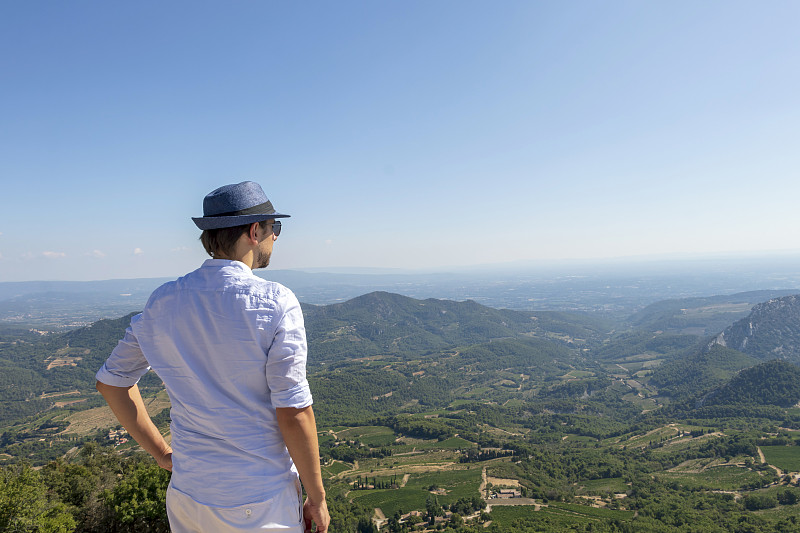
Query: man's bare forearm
{"points": [[299, 430], [128, 407]]}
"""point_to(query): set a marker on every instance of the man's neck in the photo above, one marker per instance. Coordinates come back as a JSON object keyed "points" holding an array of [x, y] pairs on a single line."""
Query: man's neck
{"points": [[246, 258]]}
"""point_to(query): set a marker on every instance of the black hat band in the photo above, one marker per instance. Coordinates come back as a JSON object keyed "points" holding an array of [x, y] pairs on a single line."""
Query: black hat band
{"points": [[260, 209]]}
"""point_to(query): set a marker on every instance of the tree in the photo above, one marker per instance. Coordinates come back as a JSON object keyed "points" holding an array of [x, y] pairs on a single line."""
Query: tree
{"points": [[25, 506], [139, 499], [432, 509], [787, 497], [756, 502]]}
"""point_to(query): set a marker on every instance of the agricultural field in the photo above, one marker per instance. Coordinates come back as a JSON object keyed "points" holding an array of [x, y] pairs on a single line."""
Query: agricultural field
{"points": [[787, 458], [454, 484], [447, 486], [391, 501], [615, 485], [724, 478], [645, 404], [374, 436], [656, 435], [335, 468], [87, 422]]}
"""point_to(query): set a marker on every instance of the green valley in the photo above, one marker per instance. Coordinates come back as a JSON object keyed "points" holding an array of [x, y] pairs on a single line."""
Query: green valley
{"points": [[443, 415]]}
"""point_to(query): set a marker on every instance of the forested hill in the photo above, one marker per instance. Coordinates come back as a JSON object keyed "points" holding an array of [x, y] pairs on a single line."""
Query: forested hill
{"points": [[385, 323], [771, 330], [35, 368], [693, 376], [772, 383]]}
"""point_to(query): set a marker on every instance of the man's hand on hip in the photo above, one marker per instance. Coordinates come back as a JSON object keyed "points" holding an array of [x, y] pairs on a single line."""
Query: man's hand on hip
{"points": [[316, 513], [165, 461]]}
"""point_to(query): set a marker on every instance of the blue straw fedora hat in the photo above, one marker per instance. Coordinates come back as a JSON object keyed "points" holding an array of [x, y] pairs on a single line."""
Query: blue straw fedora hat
{"points": [[235, 205]]}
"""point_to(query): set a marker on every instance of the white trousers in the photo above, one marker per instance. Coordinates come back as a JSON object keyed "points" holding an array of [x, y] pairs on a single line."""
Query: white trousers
{"points": [[280, 514]]}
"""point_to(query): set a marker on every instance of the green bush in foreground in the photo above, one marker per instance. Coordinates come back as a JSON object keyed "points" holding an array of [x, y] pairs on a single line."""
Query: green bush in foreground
{"points": [[26, 507], [139, 500]]}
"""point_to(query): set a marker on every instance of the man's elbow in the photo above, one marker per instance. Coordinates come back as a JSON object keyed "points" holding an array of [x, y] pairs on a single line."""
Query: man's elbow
{"points": [[105, 389]]}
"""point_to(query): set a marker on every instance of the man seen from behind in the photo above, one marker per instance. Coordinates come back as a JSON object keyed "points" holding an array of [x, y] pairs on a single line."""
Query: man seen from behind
{"points": [[231, 350]]}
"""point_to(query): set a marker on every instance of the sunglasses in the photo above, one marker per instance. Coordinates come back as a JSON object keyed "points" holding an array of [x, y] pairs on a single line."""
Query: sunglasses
{"points": [[276, 228]]}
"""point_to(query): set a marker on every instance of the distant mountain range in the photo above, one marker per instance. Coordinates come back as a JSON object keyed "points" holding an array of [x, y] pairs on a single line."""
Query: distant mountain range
{"points": [[460, 346], [705, 315], [613, 290]]}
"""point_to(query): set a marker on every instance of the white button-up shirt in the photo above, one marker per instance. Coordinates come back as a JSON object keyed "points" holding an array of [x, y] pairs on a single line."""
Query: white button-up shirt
{"points": [[230, 348]]}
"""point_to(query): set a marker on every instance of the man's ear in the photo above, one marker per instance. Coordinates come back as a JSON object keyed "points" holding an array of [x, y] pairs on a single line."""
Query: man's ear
{"points": [[252, 234]]}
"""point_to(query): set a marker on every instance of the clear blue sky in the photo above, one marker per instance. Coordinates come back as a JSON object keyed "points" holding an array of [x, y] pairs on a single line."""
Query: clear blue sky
{"points": [[414, 134]]}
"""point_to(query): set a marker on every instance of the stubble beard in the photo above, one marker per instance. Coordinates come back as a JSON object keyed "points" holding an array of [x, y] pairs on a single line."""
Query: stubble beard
{"points": [[262, 259]]}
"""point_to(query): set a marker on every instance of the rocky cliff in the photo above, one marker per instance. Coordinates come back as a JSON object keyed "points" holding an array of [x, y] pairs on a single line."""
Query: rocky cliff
{"points": [[771, 330]]}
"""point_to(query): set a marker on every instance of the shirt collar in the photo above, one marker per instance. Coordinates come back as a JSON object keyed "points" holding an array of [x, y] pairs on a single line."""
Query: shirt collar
{"points": [[220, 263]]}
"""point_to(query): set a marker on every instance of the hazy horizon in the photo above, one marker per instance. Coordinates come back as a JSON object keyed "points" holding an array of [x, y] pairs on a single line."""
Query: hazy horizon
{"points": [[554, 267]]}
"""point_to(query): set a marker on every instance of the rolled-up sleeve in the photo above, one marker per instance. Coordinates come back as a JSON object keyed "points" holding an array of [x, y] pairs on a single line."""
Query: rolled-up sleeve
{"points": [[126, 364], [286, 358]]}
